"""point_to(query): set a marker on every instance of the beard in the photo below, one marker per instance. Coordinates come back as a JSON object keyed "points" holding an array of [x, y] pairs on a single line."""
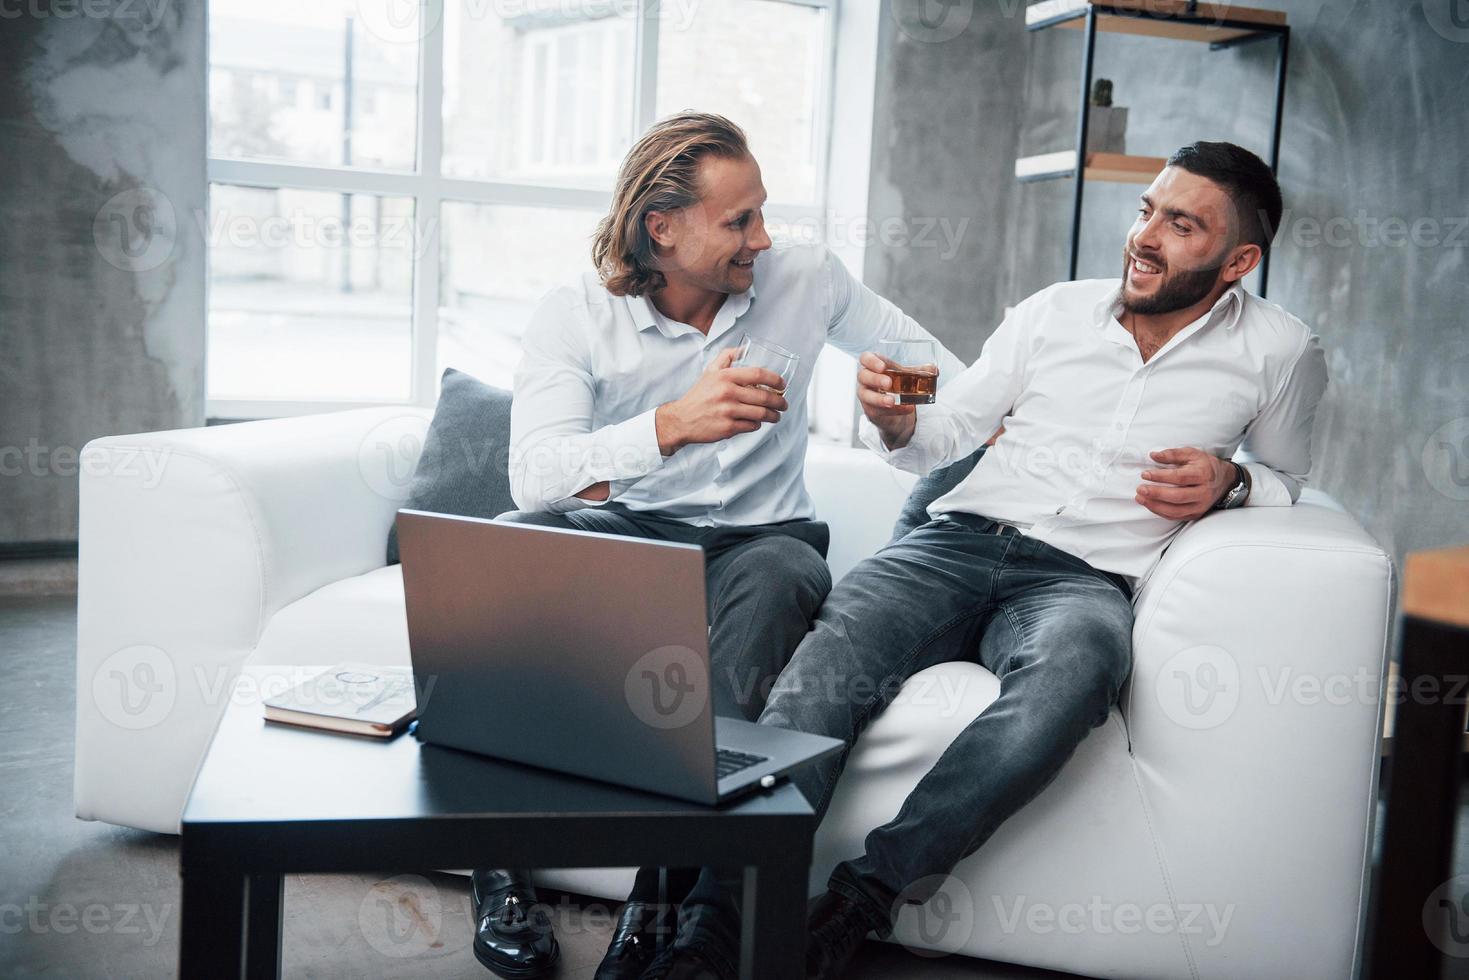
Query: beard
{"points": [[1176, 291]]}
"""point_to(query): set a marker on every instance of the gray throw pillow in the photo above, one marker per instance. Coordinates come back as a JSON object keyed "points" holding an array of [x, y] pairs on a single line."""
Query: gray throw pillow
{"points": [[933, 486], [466, 454]]}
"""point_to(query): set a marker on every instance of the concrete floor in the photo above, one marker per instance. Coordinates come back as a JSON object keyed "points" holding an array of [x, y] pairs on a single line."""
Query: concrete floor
{"points": [[101, 901]]}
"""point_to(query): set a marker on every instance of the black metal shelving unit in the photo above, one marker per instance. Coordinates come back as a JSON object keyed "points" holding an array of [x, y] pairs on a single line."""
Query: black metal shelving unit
{"points": [[1221, 27]]}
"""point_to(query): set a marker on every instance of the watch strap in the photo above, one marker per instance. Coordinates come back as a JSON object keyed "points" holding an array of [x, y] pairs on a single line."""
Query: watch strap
{"points": [[1236, 495]]}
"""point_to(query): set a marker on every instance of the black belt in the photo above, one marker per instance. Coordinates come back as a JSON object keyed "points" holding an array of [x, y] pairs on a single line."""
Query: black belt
{"points": [[985, 525]]}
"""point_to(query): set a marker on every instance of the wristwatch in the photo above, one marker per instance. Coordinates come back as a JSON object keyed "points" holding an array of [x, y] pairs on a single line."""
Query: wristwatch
{"points": [[1236, 495]]}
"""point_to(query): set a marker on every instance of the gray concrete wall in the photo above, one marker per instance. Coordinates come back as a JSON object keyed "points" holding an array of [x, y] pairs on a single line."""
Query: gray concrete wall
{"points": [[102, 123], [946, 123], [1374, 251]]}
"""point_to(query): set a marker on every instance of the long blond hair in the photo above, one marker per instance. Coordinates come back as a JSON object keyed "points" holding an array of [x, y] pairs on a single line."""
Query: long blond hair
{"points": [[659, 173]]}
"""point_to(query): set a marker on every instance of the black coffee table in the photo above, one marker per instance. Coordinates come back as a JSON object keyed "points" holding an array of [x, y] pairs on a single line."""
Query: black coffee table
{"points": [[271, 800]]}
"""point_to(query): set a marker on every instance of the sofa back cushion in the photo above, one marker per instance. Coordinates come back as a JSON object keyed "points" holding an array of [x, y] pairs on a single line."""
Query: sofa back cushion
{"points": [[858, 496], [464, 466]]}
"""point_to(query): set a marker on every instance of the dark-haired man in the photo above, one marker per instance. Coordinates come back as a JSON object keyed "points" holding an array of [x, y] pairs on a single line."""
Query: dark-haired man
{"points": [[1123, 406]]}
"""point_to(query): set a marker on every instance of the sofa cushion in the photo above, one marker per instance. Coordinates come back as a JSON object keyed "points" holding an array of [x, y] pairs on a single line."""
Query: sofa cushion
{"points": [[465, 461], [361, 619], [933, 486], [857, 494]]}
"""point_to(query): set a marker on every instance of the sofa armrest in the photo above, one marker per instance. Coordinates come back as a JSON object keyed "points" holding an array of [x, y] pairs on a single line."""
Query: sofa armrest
{"points": [[189, 542], [1259, 655]]}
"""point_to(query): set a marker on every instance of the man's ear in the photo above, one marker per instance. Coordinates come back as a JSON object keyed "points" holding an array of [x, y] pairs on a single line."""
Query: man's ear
{"points": [[660, 225], [1241, 262]]}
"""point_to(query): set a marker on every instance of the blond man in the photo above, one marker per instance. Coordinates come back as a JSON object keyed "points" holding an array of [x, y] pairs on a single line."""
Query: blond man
{"points": [[629, 418]]}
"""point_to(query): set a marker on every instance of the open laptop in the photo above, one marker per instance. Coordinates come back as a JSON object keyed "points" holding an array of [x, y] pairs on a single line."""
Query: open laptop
{"points": [[584, 653]]}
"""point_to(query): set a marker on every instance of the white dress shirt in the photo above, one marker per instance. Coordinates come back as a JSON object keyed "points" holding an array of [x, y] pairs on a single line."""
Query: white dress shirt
{"points": [[597, 366], [1082, 411]]}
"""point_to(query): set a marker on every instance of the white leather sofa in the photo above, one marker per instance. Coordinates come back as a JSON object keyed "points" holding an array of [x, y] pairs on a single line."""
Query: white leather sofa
{"points": [[1218, 826]]}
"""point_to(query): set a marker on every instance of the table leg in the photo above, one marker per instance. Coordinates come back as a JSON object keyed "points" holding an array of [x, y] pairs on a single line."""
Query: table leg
{"points": [[773, 935], [211, 925], [667, 918], [1422, 797], [263, 906]]}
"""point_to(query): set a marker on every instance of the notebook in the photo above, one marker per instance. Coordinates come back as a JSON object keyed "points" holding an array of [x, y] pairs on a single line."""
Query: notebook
{"points": [[352, 698]]}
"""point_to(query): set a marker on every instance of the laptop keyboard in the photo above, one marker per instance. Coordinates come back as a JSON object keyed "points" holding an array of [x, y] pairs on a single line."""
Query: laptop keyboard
{"points": [[727, 762]]}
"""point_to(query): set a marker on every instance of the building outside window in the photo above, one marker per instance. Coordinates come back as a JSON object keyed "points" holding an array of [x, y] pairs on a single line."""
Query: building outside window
{"points": [[392, 197]]}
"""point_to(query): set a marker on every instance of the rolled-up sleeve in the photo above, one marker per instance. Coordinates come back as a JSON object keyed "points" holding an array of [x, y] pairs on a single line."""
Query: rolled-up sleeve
{"points": [[555, 453], [1277, 446]]}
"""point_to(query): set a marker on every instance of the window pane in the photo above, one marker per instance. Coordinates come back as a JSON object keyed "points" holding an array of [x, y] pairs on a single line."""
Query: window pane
{"points": [[543, 95], [806, 229], [497, 264], [760, 63], [310, 295], [331, 83]]}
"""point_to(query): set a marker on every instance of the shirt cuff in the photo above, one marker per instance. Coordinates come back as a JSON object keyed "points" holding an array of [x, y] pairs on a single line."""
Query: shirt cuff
{"points": [[911, 457], [1267, 489], [871, 438], [568, 504]]}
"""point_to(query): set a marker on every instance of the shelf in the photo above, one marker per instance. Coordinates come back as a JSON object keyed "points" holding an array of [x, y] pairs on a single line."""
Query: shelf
{"points": [[1436, 585], [1210, 22], [1117, 167]]}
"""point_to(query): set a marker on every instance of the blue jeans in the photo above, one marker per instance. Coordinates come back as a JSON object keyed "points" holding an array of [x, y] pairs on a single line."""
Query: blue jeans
{"points": [[1055, 631]]}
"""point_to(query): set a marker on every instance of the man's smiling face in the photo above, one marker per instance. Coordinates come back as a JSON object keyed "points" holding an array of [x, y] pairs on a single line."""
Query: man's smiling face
{"points": [[716, 240], [1185, 234]]}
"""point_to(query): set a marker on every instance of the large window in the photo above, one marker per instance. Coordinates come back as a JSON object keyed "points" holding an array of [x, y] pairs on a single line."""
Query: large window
{"points": [[394, 184]]}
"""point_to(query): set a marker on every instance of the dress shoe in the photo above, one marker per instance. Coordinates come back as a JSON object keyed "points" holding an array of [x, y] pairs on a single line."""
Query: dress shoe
{"points": [[513, 936], [685, 963], [634, 943], [834, 932]]}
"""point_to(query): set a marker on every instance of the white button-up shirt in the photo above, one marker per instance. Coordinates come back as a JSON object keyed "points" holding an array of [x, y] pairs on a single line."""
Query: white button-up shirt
{"points": [[597, 366], [1082, 411]]}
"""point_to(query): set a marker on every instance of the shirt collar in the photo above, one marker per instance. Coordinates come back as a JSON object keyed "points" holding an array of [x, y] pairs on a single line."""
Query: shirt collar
{"points": [[1233, 305], [735, 306], [645, 316], [1227, 307]]}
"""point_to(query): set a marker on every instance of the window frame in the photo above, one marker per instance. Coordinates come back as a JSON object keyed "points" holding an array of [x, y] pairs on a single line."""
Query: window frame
{"points": [[429, 189]]}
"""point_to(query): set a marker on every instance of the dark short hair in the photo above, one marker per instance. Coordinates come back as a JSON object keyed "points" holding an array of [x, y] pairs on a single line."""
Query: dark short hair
{"points": [[1247, 180]]}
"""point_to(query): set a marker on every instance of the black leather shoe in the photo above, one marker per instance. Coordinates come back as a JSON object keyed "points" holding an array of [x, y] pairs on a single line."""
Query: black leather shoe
{"points": [[686, 963], [513, 936], [634, 943], [834, 932]]}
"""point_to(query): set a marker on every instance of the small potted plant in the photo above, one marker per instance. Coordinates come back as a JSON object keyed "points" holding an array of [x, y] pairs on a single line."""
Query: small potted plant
{"points": [[1106, 130]]}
